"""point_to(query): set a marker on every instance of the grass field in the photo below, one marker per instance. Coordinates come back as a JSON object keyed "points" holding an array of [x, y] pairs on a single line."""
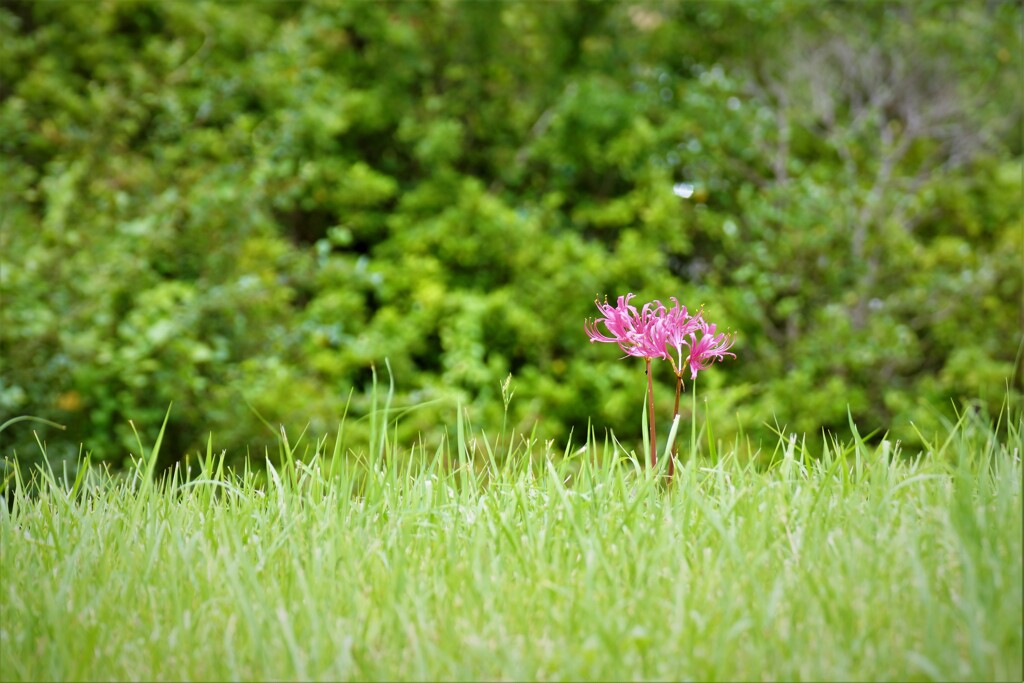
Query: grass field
{"points": [[483, 562]]}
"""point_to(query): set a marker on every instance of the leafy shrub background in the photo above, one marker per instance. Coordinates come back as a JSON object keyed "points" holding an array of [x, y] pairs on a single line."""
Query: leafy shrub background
{"points": [[221, 204]]}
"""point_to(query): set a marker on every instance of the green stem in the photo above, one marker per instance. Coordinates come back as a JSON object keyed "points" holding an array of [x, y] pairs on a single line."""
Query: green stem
{"points": [[650, 414], [693, 420], [23, 418], [675, 415]]}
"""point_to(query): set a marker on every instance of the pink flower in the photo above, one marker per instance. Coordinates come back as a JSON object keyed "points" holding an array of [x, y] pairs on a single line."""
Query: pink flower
{"points": [[638, 333], [678, 325], [709, 348], [654, 330], [650, 333]]}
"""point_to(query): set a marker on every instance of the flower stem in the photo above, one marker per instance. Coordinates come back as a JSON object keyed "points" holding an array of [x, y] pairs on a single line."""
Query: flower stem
{"points": [[693, 420], [650, 414], [675, 415]]}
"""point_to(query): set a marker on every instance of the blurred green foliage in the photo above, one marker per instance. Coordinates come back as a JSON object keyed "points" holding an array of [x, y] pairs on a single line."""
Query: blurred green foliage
{"points": [[218, 204]]}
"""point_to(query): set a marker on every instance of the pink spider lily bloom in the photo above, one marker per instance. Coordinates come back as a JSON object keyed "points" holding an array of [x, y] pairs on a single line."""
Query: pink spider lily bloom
{"points": [[678, 324], [618, 320], [709, 348], [638, 333]]}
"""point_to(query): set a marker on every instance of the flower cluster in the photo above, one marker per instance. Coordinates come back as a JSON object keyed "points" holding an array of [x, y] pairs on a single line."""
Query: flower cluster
{"points": [[656, 331]]}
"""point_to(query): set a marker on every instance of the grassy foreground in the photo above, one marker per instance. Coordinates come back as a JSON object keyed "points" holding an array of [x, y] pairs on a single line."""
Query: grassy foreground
{"points": [[474, 562]]}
